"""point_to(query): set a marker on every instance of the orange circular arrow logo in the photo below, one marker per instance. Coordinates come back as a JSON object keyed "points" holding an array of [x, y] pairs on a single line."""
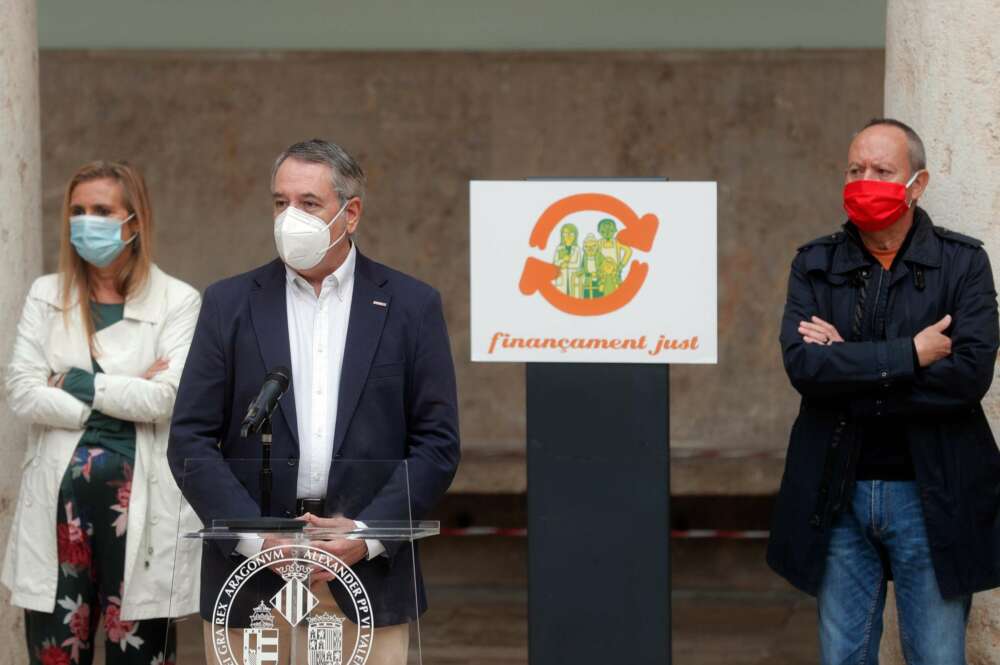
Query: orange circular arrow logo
{"points": [[588, 281]]}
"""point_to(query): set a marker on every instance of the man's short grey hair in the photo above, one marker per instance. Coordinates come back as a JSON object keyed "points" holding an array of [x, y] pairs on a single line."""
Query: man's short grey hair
{"points": [[348, 177], [915, 147]]}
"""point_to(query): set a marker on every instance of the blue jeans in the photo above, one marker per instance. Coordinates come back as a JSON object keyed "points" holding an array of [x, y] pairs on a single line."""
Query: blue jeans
{"points": [[884, 521]]}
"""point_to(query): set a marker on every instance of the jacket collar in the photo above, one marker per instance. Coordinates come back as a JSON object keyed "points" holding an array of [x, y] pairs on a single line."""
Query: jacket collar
{"points": [[922, 247], [369, 309], [146, 305], [925, 246], [848, 256], [270, 324], [270, 321]]}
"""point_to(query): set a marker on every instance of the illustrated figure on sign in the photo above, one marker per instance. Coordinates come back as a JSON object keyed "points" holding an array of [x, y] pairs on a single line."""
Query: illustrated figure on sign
{"points": [[616, 255], [568, 259], [591, 269]]}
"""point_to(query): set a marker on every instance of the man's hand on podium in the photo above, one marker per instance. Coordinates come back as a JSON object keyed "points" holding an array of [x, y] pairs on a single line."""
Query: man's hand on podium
{"points": [[349, 549], [268, 543]]}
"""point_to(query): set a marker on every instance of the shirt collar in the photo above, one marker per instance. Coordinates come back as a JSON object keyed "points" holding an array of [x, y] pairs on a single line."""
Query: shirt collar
{"points": [[340, 280]]}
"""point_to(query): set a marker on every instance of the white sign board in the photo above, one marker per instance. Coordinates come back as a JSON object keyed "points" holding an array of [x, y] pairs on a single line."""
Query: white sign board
{"points": [[593, 271]]}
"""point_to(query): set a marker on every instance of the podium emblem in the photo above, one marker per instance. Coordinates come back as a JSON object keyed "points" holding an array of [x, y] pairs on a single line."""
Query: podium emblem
{"points": [[260, 640], [295, 601], [326, 640], [290, 613]]}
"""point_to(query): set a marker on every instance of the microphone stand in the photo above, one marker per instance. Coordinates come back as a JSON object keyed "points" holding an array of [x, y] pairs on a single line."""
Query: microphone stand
{"points": [[265, 522], [265, 467]]}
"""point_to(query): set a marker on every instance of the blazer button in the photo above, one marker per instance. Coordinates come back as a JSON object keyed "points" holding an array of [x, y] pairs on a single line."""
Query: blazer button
{"points": [[815, 520], [288, 513], [292, 461]]}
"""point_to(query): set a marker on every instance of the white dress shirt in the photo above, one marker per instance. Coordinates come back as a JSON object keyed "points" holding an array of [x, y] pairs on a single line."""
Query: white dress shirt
{"points": [[317, 335]]}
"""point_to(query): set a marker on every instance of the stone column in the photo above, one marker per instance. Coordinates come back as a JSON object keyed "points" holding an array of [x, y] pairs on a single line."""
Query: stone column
{"points": [[20, 247], [942, 78]]}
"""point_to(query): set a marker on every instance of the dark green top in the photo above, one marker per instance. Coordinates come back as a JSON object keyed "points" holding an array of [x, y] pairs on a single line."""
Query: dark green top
{"points": [[102, 430]]}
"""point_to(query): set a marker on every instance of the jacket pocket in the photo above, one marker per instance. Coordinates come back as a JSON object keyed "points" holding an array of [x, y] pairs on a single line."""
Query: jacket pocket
{"points": [[387, 370]]}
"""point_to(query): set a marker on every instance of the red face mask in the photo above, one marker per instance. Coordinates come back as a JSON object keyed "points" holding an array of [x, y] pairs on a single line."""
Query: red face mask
{"points": [[874, 205]]}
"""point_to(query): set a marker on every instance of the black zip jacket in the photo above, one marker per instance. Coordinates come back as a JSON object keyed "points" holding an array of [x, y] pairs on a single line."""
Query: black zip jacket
{"points": [[874, 377]]}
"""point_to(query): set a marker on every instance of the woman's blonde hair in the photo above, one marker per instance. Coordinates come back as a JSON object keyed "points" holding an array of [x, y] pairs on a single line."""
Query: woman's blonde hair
{"points": [[133, 275]]}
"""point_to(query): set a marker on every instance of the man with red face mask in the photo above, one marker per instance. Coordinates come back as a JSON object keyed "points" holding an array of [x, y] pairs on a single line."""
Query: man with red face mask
{"points": [[890, 334]]}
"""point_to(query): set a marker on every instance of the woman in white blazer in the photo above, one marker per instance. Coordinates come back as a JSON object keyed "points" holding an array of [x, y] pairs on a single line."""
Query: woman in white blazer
{"points": [[99, 351]]}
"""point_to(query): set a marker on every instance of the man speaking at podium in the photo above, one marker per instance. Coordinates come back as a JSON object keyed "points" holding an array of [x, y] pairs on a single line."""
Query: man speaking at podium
{"points": [[372, 378]]}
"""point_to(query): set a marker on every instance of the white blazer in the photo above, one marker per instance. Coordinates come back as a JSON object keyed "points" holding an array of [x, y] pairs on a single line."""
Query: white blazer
{"points": [[158, 322]]}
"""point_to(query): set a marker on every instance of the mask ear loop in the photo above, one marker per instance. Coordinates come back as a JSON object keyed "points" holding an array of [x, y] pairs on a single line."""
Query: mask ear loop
{"points": [[909, 182], [134, 235], [339, 213]]}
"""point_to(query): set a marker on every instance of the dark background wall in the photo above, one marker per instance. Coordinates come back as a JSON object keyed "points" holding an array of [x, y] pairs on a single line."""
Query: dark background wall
{"points": [[772, 127]]}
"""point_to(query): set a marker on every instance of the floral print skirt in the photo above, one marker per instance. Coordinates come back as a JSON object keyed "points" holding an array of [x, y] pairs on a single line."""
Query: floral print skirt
{"points": [[91, 527]]}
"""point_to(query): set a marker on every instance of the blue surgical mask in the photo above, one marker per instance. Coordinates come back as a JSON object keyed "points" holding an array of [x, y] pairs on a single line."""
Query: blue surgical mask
{"points": [[98, 240]]}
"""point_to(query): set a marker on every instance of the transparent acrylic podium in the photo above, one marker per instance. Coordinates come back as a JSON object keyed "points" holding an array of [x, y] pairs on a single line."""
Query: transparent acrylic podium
{"points": [[340, 586]]}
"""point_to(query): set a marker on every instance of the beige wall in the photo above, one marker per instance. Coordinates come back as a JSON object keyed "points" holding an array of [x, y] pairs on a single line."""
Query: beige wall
{"points": [[771, 126]]}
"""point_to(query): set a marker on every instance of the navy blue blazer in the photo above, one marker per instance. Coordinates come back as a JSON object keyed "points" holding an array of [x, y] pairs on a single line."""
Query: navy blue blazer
{"points": [[397, 401]]}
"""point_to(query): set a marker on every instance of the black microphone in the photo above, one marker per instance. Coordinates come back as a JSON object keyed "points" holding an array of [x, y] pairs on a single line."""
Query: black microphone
{"points": [[275, 384]]}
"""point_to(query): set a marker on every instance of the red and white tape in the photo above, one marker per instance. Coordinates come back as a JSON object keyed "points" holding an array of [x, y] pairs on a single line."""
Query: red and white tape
{"points": [[736, 453], [721, 534], [690, 534]]}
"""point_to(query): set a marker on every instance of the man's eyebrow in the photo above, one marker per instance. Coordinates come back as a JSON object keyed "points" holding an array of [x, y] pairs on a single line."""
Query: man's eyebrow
{"points": [[307, 195]]}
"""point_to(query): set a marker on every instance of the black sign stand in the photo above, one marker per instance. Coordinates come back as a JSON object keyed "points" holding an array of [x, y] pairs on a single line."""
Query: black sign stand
{"points": [[598, 514], [598, 510]]}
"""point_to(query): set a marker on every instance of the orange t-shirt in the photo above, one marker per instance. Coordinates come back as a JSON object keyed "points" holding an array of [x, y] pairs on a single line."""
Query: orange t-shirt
{"points": [[884, 257]]}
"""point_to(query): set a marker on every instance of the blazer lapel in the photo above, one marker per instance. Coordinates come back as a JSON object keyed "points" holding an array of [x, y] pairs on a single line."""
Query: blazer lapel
{"points": [[270, 323], [364, 330]]}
